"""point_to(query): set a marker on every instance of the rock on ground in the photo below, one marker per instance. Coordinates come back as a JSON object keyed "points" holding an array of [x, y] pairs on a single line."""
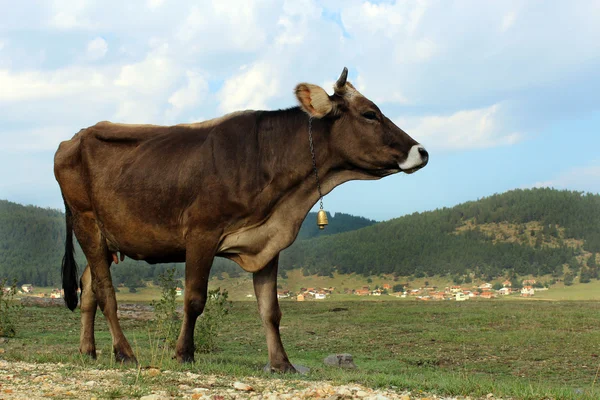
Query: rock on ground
{"points": [[343, 360]]}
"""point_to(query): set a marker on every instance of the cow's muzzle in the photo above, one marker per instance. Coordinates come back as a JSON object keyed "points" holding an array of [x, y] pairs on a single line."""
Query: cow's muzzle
{"points": [[417, 158]]}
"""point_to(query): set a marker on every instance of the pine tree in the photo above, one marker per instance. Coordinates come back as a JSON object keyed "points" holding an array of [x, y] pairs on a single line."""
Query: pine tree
{"points": [[584, 275]]}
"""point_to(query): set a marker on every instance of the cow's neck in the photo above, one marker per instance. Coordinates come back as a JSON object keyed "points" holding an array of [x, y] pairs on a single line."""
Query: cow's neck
{"points": [[284, 147], [291, 156], [286, 186]]}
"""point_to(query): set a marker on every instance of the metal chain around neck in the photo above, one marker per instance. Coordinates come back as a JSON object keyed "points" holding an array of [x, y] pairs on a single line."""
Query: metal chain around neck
{"points": [[314, 160]]}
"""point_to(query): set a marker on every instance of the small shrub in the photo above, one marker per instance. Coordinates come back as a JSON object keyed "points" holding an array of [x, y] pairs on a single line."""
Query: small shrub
{"points": [[9, 310], [165, 310], [398, 288], [210, 322], [568, 279]]}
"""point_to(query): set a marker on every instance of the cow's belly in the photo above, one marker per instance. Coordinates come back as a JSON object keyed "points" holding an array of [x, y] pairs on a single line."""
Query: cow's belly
{"points": [[140, 240]]}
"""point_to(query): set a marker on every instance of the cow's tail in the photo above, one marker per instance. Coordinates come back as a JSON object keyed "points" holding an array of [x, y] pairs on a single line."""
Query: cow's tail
{"points": [[69, 265]]}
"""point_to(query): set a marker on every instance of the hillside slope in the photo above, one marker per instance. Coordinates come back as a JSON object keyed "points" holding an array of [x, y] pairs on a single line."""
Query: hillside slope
{"points": [[537, 231], [31, 243]]}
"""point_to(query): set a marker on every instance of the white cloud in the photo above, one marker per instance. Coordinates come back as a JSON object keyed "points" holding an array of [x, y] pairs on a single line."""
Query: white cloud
{"points": [[189, 95], [226, 25], [585, 178], [67, 14], [138, 111], [507, 21], [371, 18], [415, 15], [390, 94], [463, 130], [423, 50], [156, 73], [154, 4], [97, 48], [394, 33], [146, 86], [37, 85], [250, 89], [135, 92], [297, 20]]}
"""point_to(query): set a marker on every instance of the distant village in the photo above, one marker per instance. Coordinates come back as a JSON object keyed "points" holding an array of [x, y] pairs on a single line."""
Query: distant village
{"points": [[457, 293], [29, 289], [428, 293]]}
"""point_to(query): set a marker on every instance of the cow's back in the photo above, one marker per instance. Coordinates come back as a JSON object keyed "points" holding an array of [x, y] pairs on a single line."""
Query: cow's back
{"points": [[130, 176], [74, 159]]}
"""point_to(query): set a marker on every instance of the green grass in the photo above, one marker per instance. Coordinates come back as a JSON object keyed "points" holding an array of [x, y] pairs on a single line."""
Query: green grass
{"points": [[582, 291], [522, 349]]}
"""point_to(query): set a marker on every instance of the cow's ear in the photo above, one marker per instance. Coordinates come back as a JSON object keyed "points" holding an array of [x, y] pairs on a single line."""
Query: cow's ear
{"points": [[314, 100]]}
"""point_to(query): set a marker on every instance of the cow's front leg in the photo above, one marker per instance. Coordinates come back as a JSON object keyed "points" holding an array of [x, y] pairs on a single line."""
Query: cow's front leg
{"points": [[198, 260], [265, 288]]}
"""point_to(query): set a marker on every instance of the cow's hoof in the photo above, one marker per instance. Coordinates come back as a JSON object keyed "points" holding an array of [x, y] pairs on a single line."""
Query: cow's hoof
{"points": [[286, 368], [89, 353], [185, 358], [125, 358]]}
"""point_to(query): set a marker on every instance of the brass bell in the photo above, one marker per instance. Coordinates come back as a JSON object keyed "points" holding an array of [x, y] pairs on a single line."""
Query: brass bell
{"points": [[322, 219]]}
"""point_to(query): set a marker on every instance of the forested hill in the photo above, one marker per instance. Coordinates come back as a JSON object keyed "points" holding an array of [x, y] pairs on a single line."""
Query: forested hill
{"points": [[537, 231], [32, 245], [338, 223]]}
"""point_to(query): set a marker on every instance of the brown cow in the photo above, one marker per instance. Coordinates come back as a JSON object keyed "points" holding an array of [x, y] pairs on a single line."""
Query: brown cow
{"points": [[237, 187]]}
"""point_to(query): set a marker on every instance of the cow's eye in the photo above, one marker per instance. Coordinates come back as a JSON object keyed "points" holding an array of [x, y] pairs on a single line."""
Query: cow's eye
{"points": [[370, 115]]}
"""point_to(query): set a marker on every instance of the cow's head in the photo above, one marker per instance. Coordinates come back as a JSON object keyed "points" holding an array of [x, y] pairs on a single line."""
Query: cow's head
{"points": [[363, 136]]}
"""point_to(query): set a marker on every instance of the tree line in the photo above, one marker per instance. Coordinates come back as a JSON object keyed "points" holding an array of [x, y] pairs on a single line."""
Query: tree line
{"points": [[32, 246], [427, 244], [421, 244]]}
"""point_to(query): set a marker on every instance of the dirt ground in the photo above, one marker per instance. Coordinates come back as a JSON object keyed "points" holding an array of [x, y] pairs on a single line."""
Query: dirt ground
{"points": [[19, 380]]}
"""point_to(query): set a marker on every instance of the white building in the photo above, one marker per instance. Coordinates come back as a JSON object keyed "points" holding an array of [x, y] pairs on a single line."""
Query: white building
{"points": [[460, 296]]}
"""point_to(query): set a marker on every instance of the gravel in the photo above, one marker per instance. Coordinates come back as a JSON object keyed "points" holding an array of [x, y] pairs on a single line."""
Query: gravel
{"points": [[20, 380]]}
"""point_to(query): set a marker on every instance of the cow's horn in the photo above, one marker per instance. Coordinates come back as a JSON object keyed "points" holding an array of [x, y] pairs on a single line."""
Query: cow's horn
{"points": [[341, 82]]}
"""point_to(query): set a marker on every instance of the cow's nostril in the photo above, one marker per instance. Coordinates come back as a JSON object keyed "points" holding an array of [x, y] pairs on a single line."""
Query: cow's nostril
{"points": [[424, 154]]}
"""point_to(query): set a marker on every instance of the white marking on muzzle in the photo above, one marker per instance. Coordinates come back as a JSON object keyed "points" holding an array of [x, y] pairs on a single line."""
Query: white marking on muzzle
{"points": [[414, 158]]}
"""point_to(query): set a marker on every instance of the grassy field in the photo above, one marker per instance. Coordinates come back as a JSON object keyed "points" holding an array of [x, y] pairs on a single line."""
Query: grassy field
{"points": [[522, 349], [583, 291]]}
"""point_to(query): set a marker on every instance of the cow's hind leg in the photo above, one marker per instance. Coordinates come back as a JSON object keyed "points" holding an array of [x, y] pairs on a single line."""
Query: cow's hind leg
{"points": [[87, 342], [265, 288], [94, 246], [198, 260]]}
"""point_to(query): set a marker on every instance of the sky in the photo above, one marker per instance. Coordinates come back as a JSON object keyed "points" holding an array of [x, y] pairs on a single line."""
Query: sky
{"points": [[503, 94]]}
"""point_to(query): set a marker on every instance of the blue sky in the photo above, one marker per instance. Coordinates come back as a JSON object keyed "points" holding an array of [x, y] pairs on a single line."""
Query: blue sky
{"points": [[503, 94]]}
